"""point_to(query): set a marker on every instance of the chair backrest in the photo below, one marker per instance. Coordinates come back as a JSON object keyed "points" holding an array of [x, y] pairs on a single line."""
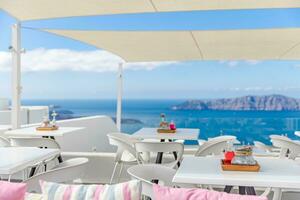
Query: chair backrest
{"points": [[230, 138], [4, 142], [34, 142], [289, 148], [67, 171], [124, 142], [214, 147], [146, 148], [149, 172], [262, 146]]}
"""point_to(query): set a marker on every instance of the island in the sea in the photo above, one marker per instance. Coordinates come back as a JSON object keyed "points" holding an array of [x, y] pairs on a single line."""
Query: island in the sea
{"points": [[245, 103]]}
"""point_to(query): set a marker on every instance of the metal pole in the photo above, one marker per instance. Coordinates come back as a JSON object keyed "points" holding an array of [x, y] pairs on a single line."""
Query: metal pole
{"points": [[119, 96], [16, 76]]}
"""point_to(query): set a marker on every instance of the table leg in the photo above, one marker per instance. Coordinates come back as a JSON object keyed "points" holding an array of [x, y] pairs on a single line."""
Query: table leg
{"points": [[159, 158], [277, 194], [228, 188], [175, 156], [159, 155], [250, 191], [60, 160], [32, 171], [242, 190]]}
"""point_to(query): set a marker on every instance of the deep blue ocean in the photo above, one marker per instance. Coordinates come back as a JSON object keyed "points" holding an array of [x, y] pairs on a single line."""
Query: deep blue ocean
{"points": [[246, 125]]}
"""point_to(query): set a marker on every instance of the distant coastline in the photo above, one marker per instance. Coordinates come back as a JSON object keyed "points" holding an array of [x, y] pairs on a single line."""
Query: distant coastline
{"points": [[246, 103]]}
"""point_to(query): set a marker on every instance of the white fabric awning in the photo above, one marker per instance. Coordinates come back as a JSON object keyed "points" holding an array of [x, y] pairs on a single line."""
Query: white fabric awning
{"points": [[45, 9], [147, 46]]}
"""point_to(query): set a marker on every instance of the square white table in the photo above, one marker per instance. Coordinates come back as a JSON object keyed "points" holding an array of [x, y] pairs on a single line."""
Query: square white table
{"points": [[274, 172], [16, 159], [181, 134], [32, 132]]}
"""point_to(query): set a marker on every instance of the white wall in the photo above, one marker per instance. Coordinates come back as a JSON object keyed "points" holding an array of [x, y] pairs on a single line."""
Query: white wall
{"points": [[5, 116], [91, 139], [29, 115], [4, 104]]}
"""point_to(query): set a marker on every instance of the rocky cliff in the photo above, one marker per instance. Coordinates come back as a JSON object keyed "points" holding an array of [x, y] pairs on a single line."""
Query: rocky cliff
{"points": [[255, 103]]}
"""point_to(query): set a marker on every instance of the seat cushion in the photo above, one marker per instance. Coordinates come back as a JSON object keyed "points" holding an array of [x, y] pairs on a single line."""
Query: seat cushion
{"points": [[163, 193], [127, 191], [12, 191]]}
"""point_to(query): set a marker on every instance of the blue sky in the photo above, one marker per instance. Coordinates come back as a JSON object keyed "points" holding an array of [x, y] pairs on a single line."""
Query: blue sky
{"points": [[176, 80]]}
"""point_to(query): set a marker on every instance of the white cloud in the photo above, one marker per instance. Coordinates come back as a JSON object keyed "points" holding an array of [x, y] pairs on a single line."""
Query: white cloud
{"points": [[252, 62], [65, 59], [234, 63]]}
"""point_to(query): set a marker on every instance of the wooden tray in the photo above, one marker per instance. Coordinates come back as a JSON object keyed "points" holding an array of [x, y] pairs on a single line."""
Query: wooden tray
{"points": [[243, 168], [54, 128], [160, 130]]}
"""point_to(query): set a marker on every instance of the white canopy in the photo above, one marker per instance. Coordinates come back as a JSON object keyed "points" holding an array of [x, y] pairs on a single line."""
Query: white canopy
{"points": [[143, 46], [45, 9]]}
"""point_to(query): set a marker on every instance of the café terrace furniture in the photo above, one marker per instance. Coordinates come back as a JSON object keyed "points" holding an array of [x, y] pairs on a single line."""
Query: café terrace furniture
{"points": [[146, 149], [215, 146], [17, 159], [32, 132], [37, 142], [266, 148], [274, 173], [149, 172], [181, 134], [125, 154], [289, 148], [67, 171]]}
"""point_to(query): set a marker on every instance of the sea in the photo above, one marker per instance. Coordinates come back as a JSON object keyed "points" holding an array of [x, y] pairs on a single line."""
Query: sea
{"points": [[248, 126]]}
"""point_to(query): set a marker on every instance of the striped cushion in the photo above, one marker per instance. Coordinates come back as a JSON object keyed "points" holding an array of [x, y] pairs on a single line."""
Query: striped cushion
{"points": [[123, 191], [31, 196]]}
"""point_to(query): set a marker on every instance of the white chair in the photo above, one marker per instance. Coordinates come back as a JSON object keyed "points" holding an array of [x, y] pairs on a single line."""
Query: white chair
{"points": [[125, 154], [4, 142], [37, 142], [150, 172], [229, 138], [34, 142], [266, 148], [214, 147], [67, 171], [145, 149], [289, 148]]}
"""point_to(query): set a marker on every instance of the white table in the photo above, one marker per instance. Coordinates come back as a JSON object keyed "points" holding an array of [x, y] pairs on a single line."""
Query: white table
{"points": [[297, 133], [16, 159], [32, 132], [181, 134], [275, 173]]}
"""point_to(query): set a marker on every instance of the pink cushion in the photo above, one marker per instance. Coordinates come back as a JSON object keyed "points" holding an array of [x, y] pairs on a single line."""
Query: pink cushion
{"points": [[163, 193], [12, 191]]}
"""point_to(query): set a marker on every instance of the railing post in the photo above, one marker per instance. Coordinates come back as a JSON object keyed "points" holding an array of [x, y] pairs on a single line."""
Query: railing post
{"points": [[16, 76], [119, 96]]}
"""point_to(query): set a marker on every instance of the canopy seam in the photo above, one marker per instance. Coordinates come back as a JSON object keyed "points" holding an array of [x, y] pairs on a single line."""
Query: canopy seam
{"points": [[153, 5], [288, 50], [197, 45]]}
